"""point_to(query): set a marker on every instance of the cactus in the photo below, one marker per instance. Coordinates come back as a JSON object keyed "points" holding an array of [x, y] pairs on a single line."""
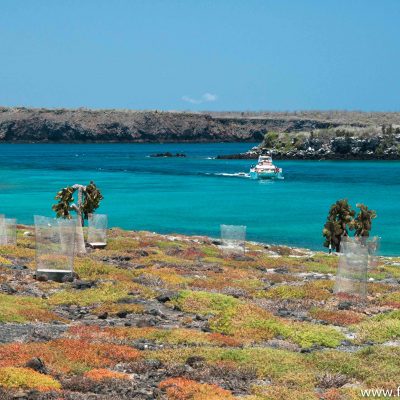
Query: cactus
{"points": [[89, 198]]}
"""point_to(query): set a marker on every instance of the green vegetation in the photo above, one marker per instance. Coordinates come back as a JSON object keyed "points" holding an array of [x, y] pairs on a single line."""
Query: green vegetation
{"points": [[89, 198], [341, 218], [23, 309], [240, 323], [24, 378], [251, 324], [105, 293]]}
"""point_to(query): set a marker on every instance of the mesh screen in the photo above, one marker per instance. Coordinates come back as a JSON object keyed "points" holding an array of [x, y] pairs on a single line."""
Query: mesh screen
{"points": [[10, 231], [55, 244], [233, 238], [97, 232], [351, 277], [80, 247], [3, 234], [373, 245]]}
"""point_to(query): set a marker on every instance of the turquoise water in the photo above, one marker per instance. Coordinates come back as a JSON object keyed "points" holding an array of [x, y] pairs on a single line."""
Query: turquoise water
{"points": [[194, 195]]}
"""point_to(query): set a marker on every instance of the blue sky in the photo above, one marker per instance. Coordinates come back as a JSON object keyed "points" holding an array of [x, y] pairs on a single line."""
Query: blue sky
{"points": [[201, 55]]}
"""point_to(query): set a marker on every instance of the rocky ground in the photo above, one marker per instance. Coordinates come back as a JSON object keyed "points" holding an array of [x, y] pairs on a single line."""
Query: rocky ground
{"points": [[177, 318]]}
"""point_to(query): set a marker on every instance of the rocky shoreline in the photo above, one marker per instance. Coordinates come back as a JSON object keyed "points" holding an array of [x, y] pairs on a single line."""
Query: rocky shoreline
{"points": [[327, 145]]}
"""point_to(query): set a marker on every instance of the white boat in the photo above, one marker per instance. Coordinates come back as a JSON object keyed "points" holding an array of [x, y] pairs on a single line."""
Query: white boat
{"points": [[265, 169]]}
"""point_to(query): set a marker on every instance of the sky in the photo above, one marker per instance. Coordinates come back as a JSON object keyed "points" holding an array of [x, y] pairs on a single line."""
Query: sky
{"points": [[279, 55]]}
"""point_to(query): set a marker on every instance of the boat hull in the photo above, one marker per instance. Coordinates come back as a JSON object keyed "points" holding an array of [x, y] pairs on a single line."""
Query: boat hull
{"points": [[265, 175]]}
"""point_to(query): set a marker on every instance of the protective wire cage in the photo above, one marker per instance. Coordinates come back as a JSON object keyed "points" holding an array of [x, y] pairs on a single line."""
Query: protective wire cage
{"points": [[373, 245], [80, 247], [11, 231], [97, 232], [233, 238], [8, 231], [55, 245], [352, 273], [2, 230]]}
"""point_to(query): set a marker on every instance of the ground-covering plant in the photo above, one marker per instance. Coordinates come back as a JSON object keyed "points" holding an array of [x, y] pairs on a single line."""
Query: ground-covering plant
{"points": [[379, 329], [318, 290], [100, 374], [337, 317], [175, 336], [105, 293], [187, 389], [187, 320], [23, 309], [67, 355], [25, 378], [251, 323]]}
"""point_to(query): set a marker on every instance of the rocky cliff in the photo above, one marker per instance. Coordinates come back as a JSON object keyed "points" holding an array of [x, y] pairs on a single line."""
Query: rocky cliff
{"points": [[43, 125], [301, 135]]}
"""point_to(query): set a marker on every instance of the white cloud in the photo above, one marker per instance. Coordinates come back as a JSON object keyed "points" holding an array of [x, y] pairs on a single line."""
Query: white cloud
{"points": [[190, 100], [205, 98], [209, 97]]}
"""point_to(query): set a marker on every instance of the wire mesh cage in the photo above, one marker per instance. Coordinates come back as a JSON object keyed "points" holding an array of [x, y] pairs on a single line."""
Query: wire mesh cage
{"points": [[2, 230], [373, 245], [351, 277], [97, 232], [10, 228], [55, 246], [233, 238], [80, 247]]}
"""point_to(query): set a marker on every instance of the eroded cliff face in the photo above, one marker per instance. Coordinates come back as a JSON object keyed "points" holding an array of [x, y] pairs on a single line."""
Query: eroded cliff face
{"points": [[82, 125], [297, 135], [29, 125]]}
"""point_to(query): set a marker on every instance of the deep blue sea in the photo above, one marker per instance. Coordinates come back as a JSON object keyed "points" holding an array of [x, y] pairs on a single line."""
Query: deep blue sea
{"points": [[194, 195]]}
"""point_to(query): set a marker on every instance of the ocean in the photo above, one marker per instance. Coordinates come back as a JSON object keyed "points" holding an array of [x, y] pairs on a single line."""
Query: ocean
{"points": [[194, 195]]}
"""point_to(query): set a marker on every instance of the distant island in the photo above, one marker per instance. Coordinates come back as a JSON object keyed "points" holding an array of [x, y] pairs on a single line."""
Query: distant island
{"points": [[286, 135]]}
